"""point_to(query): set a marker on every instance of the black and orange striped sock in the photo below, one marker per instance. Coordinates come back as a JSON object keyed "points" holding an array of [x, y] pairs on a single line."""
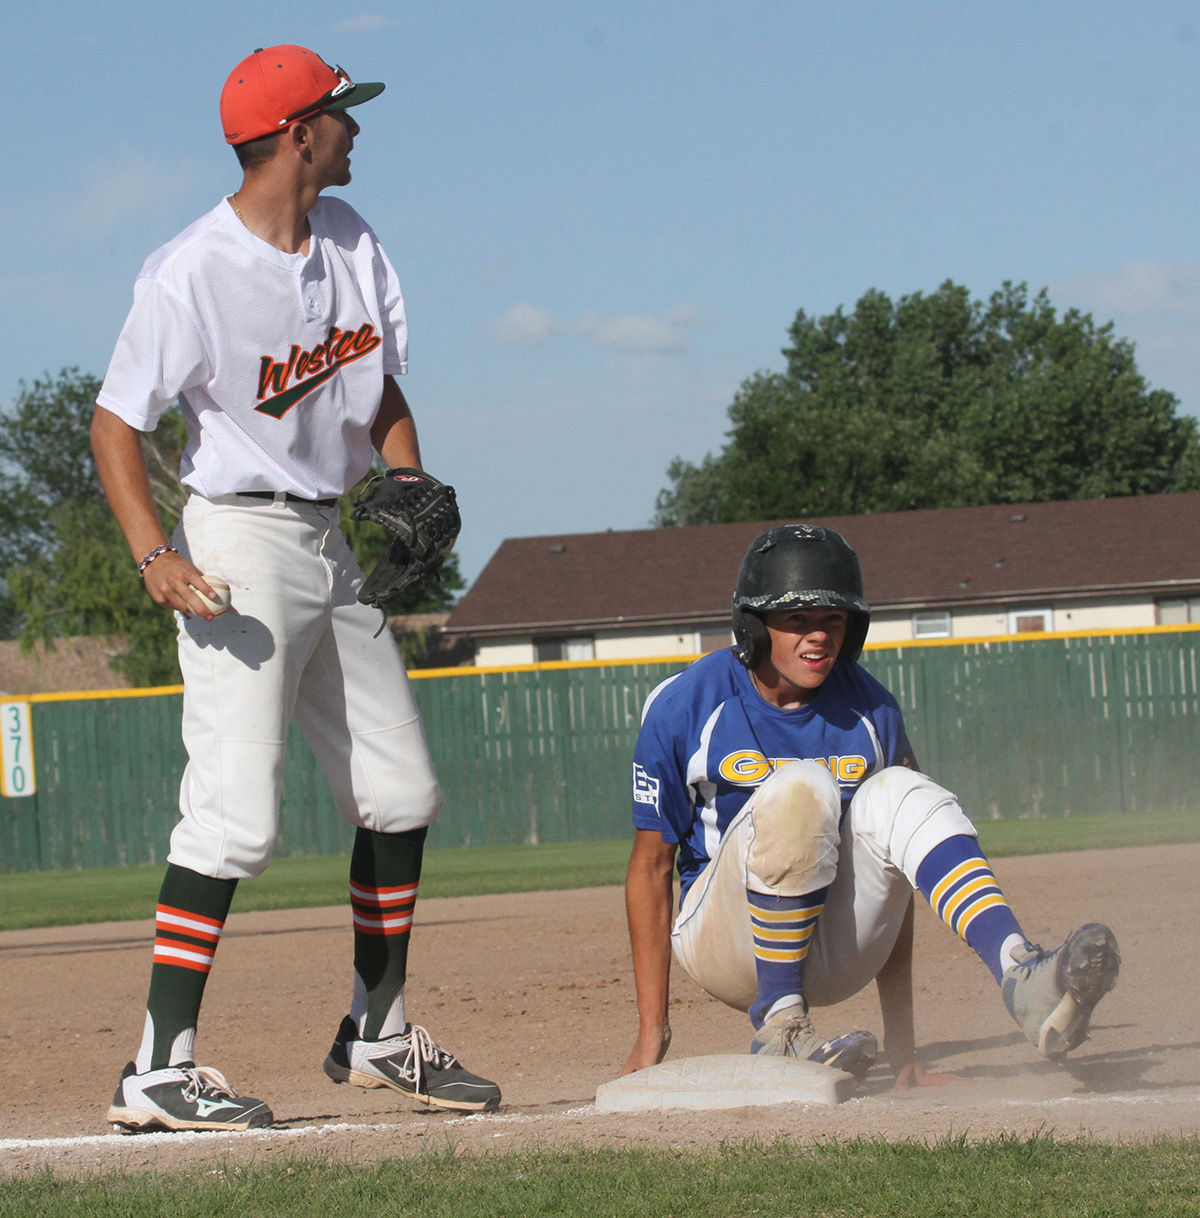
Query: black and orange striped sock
{"points": [[188, 922], [385, 872]]}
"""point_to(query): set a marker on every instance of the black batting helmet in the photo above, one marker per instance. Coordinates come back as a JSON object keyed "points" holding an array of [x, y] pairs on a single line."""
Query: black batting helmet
{"points": [[798, 566]]}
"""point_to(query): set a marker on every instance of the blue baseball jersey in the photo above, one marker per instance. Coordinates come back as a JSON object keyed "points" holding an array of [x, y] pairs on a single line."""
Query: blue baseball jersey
{"points": [[708, 739]]}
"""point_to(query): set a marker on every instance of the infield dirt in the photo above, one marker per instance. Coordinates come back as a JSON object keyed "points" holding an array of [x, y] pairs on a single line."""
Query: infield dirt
{"points": [[535, 991]]}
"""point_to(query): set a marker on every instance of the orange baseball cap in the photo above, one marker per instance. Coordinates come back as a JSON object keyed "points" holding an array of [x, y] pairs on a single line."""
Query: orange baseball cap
{"points": [[277, 86]]}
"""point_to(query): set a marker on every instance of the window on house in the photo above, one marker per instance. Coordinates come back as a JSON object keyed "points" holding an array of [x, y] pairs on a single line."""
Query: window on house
{"points": [[580, 649], [564, 647], [1030, 621], [545, 650], [1179, 611], [931, 624]]}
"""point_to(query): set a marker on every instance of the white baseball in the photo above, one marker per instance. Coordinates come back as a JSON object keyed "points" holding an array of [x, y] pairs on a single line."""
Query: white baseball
{"points": [[221, 601]]}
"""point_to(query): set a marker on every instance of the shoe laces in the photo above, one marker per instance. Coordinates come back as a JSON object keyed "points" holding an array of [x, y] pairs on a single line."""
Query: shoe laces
{"points": [[1032, 955], [205, 1079], [425, 1052], [428, 1050], [798, 1027]]}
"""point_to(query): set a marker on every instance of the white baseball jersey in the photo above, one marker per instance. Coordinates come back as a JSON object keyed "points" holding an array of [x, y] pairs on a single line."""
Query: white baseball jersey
{"points": [[278, 363], [277, 359]]}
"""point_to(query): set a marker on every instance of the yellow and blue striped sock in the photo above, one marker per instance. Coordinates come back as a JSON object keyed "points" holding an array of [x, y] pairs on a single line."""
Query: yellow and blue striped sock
{"points": [[958, 882], [783, 929]]}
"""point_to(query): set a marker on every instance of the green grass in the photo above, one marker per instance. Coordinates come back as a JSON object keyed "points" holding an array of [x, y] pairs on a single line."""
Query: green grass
{"points": [[55, 898], [1002, 838], [116, 894], [1007, 1177]]}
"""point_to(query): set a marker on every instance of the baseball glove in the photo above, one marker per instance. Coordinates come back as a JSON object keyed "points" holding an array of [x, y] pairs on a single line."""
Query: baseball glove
{"points": [[421, 514]]}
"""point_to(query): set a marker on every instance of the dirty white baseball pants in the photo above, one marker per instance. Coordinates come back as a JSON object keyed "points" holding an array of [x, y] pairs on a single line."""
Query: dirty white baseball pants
{"points": [[786, 841], [297, 643]]}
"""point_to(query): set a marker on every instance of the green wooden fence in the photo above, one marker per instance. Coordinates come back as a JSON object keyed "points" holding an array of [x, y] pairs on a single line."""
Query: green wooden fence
{"points": [[1054, 726]]}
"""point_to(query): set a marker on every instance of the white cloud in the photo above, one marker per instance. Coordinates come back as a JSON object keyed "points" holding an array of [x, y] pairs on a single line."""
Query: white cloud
{"points": [[526, 324], [364, 23], [644, 333], [1138, 288]]}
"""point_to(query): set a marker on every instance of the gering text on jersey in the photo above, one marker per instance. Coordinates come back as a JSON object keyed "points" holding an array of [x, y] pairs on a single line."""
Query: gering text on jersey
{"points": [[747, 767]]}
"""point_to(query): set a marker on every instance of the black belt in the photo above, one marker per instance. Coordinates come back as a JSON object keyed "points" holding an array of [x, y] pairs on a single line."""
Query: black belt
{"points": [[288, 497]]}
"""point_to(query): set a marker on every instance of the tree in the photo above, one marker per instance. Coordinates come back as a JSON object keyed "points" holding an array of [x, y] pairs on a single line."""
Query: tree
{"points": [[45, 460], [63, 557], [939, 401], [64, 561]]}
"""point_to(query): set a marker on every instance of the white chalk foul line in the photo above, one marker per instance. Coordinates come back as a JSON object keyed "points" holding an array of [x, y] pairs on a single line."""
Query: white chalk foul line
{"points": [[114, 1140]]}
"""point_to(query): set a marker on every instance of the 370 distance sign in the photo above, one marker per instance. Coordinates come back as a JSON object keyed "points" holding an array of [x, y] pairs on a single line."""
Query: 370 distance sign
{"points": [[16, 733]]}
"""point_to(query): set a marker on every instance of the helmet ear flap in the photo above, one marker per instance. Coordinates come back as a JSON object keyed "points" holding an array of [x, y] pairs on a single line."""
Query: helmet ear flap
{"points": [[750, 637], [856, 635]]}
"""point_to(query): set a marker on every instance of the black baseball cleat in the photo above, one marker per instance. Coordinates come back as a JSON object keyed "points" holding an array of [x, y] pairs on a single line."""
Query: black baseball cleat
{"points": [[1052, 994], [183, 1097], [411, 1064]]}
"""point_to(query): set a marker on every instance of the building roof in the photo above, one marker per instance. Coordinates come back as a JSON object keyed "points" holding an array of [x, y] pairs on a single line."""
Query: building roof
{"points": [[948, 557]]}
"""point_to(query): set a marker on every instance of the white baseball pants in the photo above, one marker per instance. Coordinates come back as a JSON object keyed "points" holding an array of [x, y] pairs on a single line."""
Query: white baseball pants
{"points": [[786, 841], [297, 644]]}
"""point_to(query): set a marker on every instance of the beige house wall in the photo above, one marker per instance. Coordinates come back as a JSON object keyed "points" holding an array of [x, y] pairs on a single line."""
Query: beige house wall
{"points": [[503, 653], [608, 645], [1104, 613], [645, 645], [1100, 613]]}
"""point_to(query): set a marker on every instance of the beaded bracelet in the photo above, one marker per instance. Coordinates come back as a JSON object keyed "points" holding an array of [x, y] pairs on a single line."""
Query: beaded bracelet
{"points": [[163, 549]]}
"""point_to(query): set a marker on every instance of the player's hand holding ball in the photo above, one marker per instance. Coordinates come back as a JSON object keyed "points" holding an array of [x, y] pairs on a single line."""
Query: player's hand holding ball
{"points": [[221, 601]]}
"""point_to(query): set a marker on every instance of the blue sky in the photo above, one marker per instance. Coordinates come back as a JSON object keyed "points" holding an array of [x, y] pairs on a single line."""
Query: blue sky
{"points": [[606, 215]]}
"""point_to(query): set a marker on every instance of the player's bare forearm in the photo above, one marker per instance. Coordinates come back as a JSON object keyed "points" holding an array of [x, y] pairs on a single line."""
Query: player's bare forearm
{"points": [[122, 468], [895, 986], [649, 904], [170, 578], [394, 432]]}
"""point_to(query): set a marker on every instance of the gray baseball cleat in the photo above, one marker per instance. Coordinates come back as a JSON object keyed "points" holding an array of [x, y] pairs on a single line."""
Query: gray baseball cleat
{"points": [[411, 1064], [790, 1034], [183, 1097], [1052, 994]]}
